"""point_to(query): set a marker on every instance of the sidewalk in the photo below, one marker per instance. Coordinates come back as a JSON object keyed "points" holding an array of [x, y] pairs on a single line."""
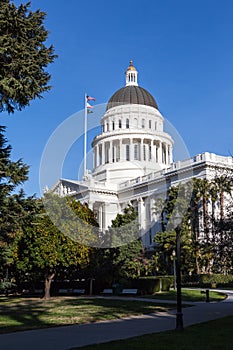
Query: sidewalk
{"points": [[64, 338]]}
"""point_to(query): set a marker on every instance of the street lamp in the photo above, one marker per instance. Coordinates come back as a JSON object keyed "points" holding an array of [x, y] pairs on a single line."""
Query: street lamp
{"points": [[179, 315], [174, 267]]}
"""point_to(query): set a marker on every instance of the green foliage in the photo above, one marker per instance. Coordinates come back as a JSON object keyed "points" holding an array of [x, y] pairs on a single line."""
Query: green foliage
{"points": [[44, 249], [23, 56], [125, 257], [16, 209], [207, 280], [148, 285]]}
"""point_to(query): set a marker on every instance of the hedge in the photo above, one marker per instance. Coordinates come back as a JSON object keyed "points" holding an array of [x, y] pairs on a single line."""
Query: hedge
{"points": [[152, 284], [207, 280]]}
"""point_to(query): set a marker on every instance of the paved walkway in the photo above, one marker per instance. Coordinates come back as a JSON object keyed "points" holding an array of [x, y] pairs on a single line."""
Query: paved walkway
{"points": [[64, 338]]}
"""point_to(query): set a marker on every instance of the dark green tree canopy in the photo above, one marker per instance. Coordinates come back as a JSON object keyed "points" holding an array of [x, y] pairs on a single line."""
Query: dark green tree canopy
{"points": [[23, 56]]}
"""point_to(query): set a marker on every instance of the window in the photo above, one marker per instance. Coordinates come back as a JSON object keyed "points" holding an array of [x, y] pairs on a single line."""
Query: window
{"points": [[107, 127], [150, 155], [135, 122], [136, 152], [119, 123], [127, 152], [106, 155], [117, 153], [100, 155], [144, 152], [155, 125], [113, 125], [102, 127], [127, 123], [143, 123], [113, 153], [149, 124]]}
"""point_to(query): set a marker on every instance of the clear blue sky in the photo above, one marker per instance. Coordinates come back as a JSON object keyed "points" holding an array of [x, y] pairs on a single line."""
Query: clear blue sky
{"points": [[182, 49]]}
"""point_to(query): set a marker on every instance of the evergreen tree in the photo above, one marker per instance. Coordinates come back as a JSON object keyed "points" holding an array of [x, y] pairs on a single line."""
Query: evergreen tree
{"points": [[16, 209], [23, 56]]}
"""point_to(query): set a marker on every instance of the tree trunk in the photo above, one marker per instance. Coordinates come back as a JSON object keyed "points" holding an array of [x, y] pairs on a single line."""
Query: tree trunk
{"points": [[205, 218], [221, 205], [48, 281]]}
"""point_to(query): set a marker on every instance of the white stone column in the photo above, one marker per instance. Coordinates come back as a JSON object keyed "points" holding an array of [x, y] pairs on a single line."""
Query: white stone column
{"points": [[94, 157], [131, 150], [170, 155], [97, 155], [100, 217], [121, 149], [151, 158], [141, 151], [142, 216], [102, 153], [160, 152], [110, 151]]}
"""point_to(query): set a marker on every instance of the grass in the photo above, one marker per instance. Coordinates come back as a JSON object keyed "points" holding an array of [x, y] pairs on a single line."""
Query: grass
{"points": [[188, 295], [17, 314], [212, 335]]}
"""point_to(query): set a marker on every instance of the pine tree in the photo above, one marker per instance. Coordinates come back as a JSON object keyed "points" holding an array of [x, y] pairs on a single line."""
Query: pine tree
{"points": [[15, 207], [23, 56]]}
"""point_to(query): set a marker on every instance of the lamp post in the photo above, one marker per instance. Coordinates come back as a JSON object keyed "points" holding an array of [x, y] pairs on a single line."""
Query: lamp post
{"points": [[174, 267], [179, 315]]}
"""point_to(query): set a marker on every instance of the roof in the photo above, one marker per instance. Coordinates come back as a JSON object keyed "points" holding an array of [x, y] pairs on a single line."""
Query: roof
{"points": [[131, 95]]}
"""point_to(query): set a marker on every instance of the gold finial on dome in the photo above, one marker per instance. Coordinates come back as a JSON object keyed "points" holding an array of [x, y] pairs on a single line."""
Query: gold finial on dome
{"points": [[131, 67]]}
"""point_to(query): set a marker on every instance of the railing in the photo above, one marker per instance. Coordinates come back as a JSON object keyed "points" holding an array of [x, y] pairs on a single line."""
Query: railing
{"points": [[179, 165]]}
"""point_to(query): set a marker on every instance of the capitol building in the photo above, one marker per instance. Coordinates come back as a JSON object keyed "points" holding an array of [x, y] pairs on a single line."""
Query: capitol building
{"points": [[133, 161]]}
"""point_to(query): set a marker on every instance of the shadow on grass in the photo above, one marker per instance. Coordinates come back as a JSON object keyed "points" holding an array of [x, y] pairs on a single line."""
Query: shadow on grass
{"points": [[17, 314]]}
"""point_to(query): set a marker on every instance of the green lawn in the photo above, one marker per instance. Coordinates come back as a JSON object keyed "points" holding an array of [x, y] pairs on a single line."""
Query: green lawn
{"points": [[188, 295], [29, 313], [214, 335]]}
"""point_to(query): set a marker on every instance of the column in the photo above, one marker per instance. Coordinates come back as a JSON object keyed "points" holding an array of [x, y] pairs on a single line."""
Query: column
{"points": [[101, 217], [102, 154], [141, 151], [131, 153], [167, 159], [160, 152], [151, 155], [170, 154], [94, 157], [97, 155], [142, 217], [121, 149], [110, 151]]}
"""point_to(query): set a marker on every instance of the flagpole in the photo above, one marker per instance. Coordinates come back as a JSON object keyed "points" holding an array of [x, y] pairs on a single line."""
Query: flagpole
{"points": [[85, 138]]}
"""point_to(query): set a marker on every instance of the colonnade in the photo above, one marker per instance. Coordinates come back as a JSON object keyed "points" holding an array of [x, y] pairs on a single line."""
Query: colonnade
{"points": [[130, 149]]}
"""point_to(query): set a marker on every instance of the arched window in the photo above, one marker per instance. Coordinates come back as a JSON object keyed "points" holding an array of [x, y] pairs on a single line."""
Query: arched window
{"points": [[127, 152], [107, 127], [127, 123], [113, 125], [149, 124], [155, 125], [119, 123], [143, 123]]}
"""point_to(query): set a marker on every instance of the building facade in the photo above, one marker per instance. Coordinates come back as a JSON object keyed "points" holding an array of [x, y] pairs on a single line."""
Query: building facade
{"points": [[133, 161]]}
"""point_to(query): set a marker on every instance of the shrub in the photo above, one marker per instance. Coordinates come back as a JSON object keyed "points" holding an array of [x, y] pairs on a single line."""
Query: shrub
{"points": [[152, 284], [209, 281]]}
